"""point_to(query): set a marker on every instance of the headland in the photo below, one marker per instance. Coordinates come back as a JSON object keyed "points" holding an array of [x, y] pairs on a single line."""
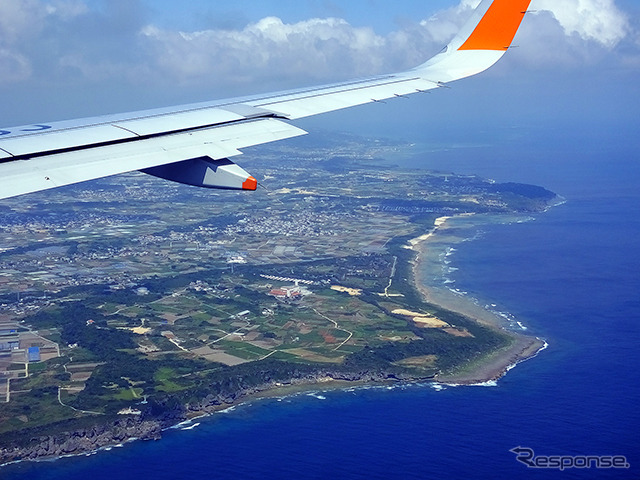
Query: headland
{"points": [[431, 252], [134, 305]]}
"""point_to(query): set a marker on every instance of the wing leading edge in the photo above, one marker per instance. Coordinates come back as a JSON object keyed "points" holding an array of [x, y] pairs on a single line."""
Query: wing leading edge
{"points": [[194, 137]]}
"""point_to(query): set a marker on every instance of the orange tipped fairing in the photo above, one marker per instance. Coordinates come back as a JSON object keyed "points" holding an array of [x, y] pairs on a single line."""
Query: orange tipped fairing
{"points": [[250, 184], [498, 27]]}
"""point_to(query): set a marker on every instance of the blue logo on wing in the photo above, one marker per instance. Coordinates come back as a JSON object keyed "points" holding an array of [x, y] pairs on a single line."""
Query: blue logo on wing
{"points": [[37, 128], [34, 128]]}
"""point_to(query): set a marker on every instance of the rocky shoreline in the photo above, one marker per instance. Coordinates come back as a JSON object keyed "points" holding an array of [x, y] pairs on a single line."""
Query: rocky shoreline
{"points": [[84, 440], [149, 426], [491, 368]]}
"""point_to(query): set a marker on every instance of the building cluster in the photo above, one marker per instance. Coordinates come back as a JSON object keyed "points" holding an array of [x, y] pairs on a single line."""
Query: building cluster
{"points": [[9, 339], [286, 293], [18, 345], [294, 292], [296, 224]]}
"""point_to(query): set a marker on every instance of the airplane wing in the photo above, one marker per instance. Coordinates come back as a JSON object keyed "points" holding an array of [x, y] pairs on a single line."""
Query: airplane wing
{"points": [[192, 143]]}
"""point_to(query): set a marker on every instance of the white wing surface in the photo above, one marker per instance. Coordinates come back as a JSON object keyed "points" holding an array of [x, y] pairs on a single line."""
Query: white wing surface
{"points": [[190, 143]]}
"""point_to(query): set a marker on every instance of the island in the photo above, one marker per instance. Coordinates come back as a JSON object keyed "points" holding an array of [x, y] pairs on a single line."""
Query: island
{"points": [[130, 304]]}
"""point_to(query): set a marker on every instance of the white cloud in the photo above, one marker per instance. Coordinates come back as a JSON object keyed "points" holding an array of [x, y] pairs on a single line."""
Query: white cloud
{"points": [[65, 39], [598, 20], [24, 19], [18, 19], [576, 34], [316, 48]]}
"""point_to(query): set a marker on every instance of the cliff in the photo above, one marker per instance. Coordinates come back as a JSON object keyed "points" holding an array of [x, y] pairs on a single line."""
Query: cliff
{"points": [[155, 417]]}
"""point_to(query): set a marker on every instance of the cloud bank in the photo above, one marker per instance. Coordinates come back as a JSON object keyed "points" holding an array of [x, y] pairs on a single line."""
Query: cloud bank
{"points": [[591, 20], [71, 40]]}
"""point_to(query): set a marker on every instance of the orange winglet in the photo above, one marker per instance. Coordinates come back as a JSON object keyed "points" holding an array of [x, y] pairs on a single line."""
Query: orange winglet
{"points": [[250, 184], [498, 27]]}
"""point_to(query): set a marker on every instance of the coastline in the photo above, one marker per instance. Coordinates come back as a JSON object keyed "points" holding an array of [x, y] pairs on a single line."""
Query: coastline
{"points": [[487, 369], [484, 371], [131, 428]]}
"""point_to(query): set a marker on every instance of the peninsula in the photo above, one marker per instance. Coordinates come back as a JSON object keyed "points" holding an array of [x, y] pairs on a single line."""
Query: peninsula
{"points": [[130, 305]]}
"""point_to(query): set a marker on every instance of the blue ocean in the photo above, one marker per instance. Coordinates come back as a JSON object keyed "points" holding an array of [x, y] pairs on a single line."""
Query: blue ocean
{"points": [[572, 276]]}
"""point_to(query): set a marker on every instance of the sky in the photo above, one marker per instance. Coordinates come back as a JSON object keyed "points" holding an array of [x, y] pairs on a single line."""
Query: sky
{"points": [[577, 61]]}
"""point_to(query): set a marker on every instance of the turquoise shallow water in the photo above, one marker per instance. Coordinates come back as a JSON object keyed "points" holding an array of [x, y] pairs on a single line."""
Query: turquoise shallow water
{"points": [[571, 276]]}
